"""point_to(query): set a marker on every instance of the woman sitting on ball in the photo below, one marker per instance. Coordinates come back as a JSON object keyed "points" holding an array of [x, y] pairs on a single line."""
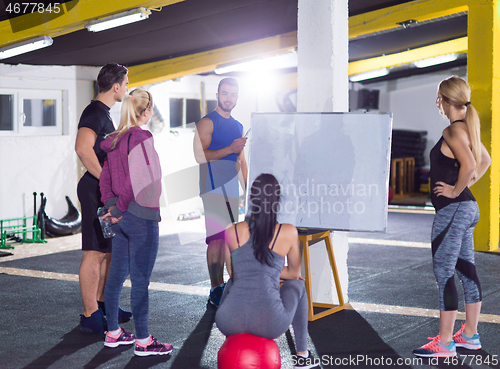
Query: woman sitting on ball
{"points": [[253, 301]]}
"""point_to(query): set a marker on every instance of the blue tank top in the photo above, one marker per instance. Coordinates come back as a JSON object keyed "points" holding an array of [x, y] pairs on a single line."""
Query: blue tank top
{"points": [[220, 172], [445, 169]]}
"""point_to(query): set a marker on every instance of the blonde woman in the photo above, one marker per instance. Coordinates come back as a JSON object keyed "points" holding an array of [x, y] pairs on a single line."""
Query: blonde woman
{"points": [[458, 160], [130, 186]]}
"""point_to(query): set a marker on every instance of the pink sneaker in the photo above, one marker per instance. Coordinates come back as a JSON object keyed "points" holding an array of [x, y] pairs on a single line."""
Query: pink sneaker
{"points": [[436, 349], [122, 338], [471, 343], [153, 347]]}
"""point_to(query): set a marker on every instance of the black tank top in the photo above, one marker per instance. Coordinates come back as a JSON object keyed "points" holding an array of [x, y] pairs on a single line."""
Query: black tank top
{"points": [[445, 169]]}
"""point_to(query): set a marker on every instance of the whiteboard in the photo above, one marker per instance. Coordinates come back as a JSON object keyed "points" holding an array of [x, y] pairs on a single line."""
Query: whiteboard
{"points": [[333, 168]]}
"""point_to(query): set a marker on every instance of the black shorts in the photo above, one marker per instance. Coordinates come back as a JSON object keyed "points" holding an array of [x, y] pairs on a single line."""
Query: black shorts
{"points": [[220, 212], [90, 199]]}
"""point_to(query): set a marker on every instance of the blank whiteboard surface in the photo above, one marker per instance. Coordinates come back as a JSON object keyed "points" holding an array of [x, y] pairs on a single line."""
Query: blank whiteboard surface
{"points": [[333, 168]]}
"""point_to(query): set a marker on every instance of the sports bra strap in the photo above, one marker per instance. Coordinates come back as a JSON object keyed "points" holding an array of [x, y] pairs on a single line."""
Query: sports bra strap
{"points": [[237, 239], [279, 229]]}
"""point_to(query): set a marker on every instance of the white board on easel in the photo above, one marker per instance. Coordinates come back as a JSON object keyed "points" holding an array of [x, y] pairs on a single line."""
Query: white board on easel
{"points": [[333, 168]]}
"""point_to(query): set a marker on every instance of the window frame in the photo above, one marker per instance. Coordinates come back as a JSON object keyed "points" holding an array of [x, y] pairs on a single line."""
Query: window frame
{"points": [[4, 91], [19, 95], [184, 98]]}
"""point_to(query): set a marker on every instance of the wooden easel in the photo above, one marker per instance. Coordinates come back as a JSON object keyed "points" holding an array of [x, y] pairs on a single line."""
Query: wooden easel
{"points": [[306, 237]]}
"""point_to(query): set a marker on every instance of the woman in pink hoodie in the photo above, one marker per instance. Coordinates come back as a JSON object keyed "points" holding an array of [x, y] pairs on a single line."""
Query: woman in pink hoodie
{"points": [[130, 186]]}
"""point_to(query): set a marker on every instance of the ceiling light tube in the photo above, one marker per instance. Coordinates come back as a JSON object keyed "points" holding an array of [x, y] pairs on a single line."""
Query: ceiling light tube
{"points": [[369, 75], [441, 59], [25, 46], [117, 20]]}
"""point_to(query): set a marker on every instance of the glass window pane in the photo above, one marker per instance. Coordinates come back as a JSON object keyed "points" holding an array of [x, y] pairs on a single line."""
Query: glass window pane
{"points": [[175, 112], [193, 111], [211, 105], [6, 112], [39, 113]]}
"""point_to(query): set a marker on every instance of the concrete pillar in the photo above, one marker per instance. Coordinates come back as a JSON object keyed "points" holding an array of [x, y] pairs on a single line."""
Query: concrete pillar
{"points": [[322, 86]]}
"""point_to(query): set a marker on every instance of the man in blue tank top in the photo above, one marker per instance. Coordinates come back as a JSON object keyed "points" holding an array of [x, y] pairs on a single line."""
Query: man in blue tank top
{"points": [[218, 148]]}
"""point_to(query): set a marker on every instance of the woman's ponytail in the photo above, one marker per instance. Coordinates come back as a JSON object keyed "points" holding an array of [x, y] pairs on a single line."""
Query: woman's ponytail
{"points": [[133, 105], [474, 126]]}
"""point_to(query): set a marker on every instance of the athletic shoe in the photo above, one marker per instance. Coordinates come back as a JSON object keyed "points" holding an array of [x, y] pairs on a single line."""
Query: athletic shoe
{"points": [[436, 349], [216, 295], [305, 362], [123, 315], [122, 338], [153, 347], [96, 323], [471, 343]]}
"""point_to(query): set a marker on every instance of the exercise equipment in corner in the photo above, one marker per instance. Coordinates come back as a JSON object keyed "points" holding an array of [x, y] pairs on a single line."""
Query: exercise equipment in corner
{"points": [[70, 224]]}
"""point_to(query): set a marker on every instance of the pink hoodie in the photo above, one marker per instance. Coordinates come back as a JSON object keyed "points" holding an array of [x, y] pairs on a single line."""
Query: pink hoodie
{"points": [[131, 176]]}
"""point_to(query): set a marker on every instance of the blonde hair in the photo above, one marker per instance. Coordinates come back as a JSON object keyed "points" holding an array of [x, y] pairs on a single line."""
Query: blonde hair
{"points": [[456, 92], [134, 104]]}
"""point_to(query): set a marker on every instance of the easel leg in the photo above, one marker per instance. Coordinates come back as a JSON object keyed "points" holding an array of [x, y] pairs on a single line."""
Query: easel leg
{"points": [[307, 271], [329, 248]]}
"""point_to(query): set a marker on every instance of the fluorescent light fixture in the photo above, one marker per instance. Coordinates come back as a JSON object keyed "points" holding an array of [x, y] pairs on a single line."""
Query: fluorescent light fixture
{"points": [[435, 60], [117, 20], [25, 46], [369, 75], [288, 60]]}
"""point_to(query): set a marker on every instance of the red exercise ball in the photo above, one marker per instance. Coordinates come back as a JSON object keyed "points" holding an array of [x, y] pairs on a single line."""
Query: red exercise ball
{"points": [[246, 351]]}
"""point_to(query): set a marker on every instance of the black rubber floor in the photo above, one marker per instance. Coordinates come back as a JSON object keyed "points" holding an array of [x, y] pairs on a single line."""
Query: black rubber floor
{"points": [[39, 317]]}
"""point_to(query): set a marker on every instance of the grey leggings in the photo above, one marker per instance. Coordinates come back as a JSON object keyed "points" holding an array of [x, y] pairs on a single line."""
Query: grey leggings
{"points": [[243, 318], [453, 249]]}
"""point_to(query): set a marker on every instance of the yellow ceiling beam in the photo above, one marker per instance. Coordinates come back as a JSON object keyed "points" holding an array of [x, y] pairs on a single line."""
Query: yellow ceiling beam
{"points": [[76, 13], [388, 18], [458, 45], [362, 24], [71, 17], [209, 60], [205, 61]]}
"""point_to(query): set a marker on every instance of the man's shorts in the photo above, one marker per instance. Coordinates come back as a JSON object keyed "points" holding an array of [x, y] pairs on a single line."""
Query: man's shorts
{"points": [[90, 200], [219, 214]]}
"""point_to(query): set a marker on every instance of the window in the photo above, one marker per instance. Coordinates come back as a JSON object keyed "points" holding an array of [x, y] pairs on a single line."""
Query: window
{"points": [[31, 112], [39, 113], [176, 109], [186, 112], [193, 111], [211, 105], [6, 112]]}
